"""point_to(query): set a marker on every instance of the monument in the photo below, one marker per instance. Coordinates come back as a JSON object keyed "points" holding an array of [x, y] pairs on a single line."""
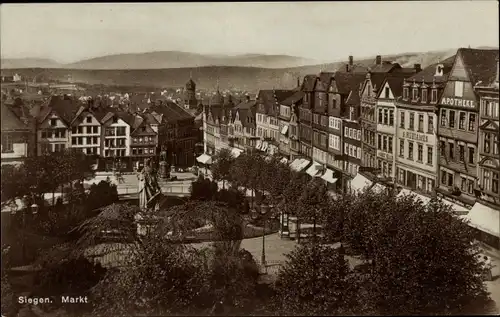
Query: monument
{"points": [[150, 198], [163, 168]]}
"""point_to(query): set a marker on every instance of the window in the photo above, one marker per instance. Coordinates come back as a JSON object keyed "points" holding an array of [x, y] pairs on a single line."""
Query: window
{"points": [[451, 152], [461, 151], [385, 143], [442, 148], [406, 93], [429, 155], [386, 117], [424, 95], [390, 144], [95, 129], [316, 118], [463, 184], [421, 123], [443, 177], [89, 119], [420, 153], [450, 179], [434, 95], [430, 124], [387, 93], [472, 153], [461, 120], [487, 142], [452, 119], [380, 114], [345, 131], [379, 143], [470, 186], [7, 143], [402, 120], [459, 89], [401, 147], [415, 94], [391, 118], [412, 121], [410, 150], [495, 145], [472, 122], [443, 117], [494, 183], [73, 130], [53, 122], [80, 130], [89, 140]]}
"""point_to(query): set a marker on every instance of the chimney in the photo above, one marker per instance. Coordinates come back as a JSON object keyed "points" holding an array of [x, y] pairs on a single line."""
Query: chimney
{"points": [[247, 98], [298, 82], [347, 68], [351, 60], [417, 67], [378, 60]]}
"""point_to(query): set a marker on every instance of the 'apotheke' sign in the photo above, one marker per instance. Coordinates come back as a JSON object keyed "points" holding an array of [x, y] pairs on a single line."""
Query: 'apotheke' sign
{"points": [[457, 102]]}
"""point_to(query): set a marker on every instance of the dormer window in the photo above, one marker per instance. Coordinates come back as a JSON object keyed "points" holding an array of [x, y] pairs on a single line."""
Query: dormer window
{"points": [[387, 92], [434, 96], [115, 119], [414, 94], [424, 95], [89, 119], [406, 93]]}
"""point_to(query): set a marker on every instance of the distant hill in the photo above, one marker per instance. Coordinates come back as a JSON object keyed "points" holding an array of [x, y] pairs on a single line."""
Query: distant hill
{"points": [[246, 78], [28, 63]]}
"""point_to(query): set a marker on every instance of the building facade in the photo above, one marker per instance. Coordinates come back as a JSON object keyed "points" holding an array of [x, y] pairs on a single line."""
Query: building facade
{"points": [[17, 131], [416, 142], [459, 126], [289, 130]]}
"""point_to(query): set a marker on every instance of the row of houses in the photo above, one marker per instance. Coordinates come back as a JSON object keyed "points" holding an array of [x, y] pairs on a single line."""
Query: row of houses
{"points": [[110, 133], [432, 131]]}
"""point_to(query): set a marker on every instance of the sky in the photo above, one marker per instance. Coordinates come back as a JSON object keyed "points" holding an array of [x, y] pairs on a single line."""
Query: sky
{"points": [[324, 31]]}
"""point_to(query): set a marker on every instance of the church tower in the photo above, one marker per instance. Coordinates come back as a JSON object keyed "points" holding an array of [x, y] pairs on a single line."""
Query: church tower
{"points": [[190, 94]]}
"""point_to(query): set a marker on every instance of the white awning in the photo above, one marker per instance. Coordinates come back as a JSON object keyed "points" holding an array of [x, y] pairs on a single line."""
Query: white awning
{"points": [[328, 176], [204, 159], [236, 152], [359, 182], [299, 164], [284, 129], [271, 149], [264, 146], [456, 207], [314, 169], [484, 218], [407, 192], [284, 160], [259, 144]]}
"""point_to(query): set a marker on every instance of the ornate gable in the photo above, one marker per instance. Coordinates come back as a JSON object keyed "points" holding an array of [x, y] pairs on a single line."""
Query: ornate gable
{"points": [[489, 125], [458, 71], [489, 162]]}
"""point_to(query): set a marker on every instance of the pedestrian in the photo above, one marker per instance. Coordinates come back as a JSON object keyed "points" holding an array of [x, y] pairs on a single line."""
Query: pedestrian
{"points": [[487, 268]]}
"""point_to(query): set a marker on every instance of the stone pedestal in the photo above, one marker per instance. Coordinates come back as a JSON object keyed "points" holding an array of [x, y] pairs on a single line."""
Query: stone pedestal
{"points": [[163, 170]]}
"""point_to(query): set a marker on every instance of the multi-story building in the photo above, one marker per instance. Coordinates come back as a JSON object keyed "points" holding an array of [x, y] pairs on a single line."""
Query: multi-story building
{"points": [[86, 130], [485, 214], [176, 133], [415, 143], [144, 139], [245, 136], [459, 125], [17, 130], [306, 116], [116, 127], [489, 138], [289, 134], [268, 128], [53, 122]]}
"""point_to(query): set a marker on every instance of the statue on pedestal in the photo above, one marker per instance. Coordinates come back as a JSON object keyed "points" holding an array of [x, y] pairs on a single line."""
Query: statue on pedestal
{"points": [[149, 189]]}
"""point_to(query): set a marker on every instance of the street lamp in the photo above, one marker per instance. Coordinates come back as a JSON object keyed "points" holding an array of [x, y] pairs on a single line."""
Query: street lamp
{"points": [[263, 213]]}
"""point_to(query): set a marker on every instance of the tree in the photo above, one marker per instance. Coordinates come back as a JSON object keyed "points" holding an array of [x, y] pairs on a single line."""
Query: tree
{"points": [[314, 201], [221, 166], [276, 177], [248, 172], [314, 281], [103, 194], [420, 256], [203, 189], [291, 196]]}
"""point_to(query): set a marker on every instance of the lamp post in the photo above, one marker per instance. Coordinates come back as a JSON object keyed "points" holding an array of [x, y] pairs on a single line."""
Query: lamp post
{"points": [[263, 213]]}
